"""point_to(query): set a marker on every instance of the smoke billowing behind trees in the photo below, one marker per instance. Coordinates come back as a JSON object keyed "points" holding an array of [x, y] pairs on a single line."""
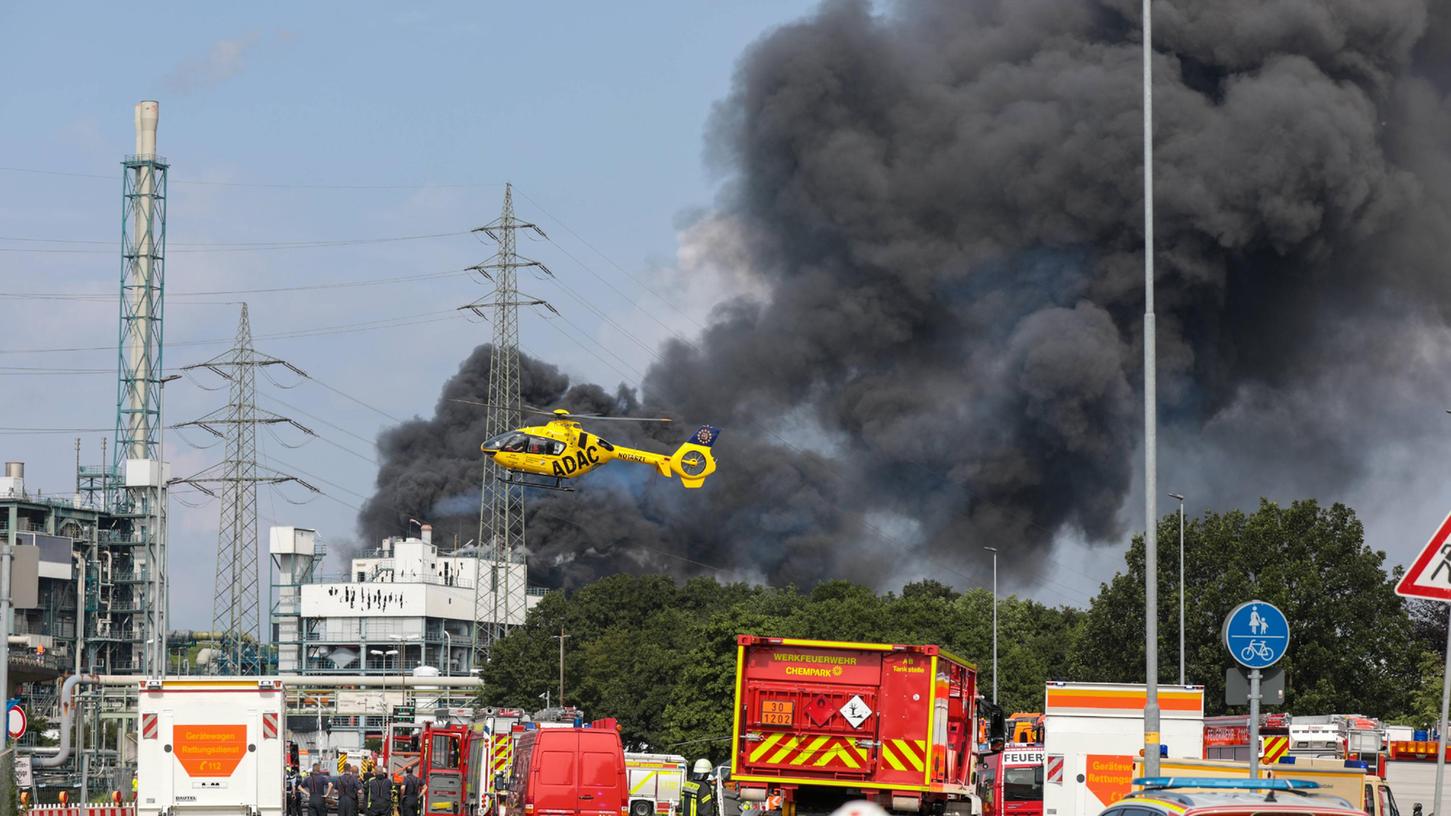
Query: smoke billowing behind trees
{"points": [[943, 210]]}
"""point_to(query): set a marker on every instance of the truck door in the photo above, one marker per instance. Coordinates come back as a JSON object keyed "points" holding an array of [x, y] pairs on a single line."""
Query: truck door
{"points": [[476, 772], [796, 729], [444, 774], [554, 773]]}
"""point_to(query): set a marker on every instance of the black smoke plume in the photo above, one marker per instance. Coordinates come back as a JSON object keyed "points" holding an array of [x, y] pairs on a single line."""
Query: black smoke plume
{"points": [[943, 204]]}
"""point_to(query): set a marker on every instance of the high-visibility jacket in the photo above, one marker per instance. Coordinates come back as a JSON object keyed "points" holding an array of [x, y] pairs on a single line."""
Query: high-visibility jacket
{"points": [[697, 798]]}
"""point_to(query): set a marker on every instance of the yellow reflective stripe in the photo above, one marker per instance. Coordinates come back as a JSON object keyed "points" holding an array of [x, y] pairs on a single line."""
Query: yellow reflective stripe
{"points": [[841, 752], [891, 758], [648, 777], [785, 751], [809, 750], [735, 712], [904, 747], [827, 756], [765, 746]]}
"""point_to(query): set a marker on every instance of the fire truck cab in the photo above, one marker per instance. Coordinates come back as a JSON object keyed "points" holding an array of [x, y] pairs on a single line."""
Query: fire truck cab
{"points": [[458, 761], [1012, 782]]}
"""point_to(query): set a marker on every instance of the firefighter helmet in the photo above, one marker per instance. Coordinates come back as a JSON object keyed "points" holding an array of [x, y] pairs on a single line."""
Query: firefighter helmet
{"points": [[702, 767]]}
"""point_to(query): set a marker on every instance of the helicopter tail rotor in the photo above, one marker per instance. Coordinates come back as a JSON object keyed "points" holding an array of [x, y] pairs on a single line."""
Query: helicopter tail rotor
{"points": [[693, 461]]}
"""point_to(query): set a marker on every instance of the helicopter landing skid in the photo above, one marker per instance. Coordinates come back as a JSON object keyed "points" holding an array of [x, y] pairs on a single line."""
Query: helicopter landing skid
{"points": [[555, 483]]}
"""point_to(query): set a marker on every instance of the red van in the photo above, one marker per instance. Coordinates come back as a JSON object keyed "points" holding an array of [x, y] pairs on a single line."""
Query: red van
{"points": [[568, 772]]}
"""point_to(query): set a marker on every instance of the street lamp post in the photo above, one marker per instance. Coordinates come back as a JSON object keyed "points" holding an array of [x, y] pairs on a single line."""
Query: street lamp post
{"points": [[381, 653], [160, 580], [1152, 739], [994, 551], [1180, 497], [448, 653], [560, 637]]}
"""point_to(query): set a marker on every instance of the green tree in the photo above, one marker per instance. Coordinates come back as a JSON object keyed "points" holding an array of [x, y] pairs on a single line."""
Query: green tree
{"points": [[1352, 642]]}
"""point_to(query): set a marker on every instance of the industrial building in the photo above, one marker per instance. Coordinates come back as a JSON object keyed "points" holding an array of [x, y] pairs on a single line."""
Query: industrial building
{"points": [[401, 606], [92, 585]]}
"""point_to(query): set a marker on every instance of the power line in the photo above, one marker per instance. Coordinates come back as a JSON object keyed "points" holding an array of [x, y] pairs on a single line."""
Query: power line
{"points": [[98, 296], [13, 430], [269, 186], [678, 307], [375, 409], [251, 244], [343, 328], [238, 247]]}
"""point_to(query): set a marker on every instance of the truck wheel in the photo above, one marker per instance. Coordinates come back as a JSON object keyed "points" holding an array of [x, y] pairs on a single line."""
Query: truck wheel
{"points": [[640, 807]]}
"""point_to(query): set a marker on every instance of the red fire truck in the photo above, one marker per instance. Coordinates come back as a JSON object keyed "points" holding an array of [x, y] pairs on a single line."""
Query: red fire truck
{"points": [[825, 722], [1012, 782], [458, 761], [1228, 737]]}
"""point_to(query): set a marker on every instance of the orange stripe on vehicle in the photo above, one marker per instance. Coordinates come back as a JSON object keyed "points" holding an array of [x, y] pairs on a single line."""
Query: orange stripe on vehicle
{"points": [[1123, 700]]}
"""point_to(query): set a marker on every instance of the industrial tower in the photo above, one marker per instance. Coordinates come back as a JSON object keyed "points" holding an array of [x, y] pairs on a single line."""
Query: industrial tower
{"points": [[501, 509], [236, 615], [138, 476]]}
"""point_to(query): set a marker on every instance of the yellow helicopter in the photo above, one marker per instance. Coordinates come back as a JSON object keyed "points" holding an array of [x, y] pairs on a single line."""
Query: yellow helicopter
{"points": [[560, 449]]}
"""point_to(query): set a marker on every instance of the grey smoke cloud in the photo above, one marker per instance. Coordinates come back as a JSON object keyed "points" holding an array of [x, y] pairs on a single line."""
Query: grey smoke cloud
{"points": [[945, 206]]}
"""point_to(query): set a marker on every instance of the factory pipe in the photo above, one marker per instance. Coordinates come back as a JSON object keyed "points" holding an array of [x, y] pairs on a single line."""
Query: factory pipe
{"points": [[68, 689], [67, 716]]}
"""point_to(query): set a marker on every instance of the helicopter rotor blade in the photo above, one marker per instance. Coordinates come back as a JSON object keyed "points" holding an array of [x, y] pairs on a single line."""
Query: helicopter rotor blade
{"points": [[528, 409]]}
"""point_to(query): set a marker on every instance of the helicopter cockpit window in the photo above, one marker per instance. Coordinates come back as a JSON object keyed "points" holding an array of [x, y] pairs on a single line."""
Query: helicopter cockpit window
{"points": [[511, 442], [546, 447]]}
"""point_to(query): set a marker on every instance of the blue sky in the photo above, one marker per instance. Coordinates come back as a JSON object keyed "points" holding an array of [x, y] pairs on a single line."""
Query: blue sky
{"points": [[596, 112], [333, 122]]}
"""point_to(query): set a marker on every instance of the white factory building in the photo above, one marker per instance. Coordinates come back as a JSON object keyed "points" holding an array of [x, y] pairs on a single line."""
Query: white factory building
{"points": [[402, 606]]}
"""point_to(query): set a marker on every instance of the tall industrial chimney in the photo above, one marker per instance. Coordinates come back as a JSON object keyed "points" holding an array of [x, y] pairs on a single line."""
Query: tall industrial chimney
{"points": [[139, 474], [146, 113], [141, 291]]}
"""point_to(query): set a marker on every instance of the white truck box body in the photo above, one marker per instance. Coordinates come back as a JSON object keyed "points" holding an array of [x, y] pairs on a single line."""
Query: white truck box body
{"points": [[1412, 782], [657, 779], [1095, 731], [211, 746]]}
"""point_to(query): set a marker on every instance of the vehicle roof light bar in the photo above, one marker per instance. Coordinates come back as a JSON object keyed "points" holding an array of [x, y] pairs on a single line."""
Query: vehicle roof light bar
{"points": [[1168, 782]]}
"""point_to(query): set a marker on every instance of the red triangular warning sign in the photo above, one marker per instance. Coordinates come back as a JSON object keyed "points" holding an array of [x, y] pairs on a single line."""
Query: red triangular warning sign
{"points": [[1430, 574]]}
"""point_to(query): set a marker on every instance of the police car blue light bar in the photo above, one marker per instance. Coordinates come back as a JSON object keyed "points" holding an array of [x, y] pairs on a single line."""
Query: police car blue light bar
{"points": [[1163, 782]]}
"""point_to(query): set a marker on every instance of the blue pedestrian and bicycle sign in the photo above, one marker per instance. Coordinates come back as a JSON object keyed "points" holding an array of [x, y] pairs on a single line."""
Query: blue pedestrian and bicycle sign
{"points": [[1256, 634]]}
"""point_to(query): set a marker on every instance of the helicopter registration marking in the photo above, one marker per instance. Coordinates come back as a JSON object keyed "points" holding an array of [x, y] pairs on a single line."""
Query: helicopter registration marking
{"points": [[580, 461]]}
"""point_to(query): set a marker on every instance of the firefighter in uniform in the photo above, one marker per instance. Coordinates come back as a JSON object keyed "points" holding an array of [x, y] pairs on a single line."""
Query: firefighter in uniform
{"points": [[294, 803], [348, 787], [409, 794], [318, 787], [697, 795], [380, 794]]}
